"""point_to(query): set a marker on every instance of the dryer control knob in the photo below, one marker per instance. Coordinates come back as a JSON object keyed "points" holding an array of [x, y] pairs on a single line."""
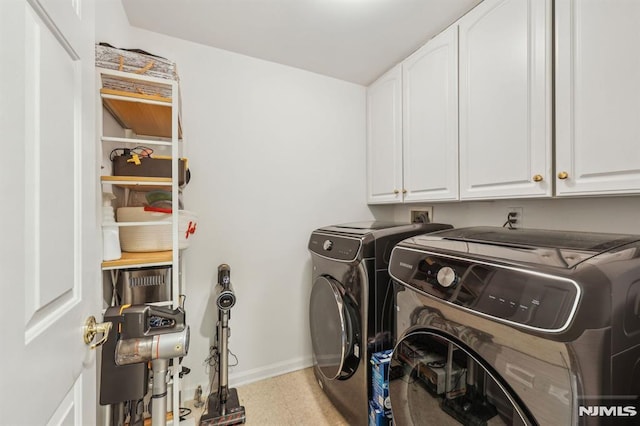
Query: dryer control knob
{"points": [[327, 245], [447, 276]]}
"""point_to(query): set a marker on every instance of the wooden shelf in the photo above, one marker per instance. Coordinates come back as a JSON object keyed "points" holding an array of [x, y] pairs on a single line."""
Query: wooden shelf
{"points": [[148, 115], [129, 259], [138, 183], [135, 141]]}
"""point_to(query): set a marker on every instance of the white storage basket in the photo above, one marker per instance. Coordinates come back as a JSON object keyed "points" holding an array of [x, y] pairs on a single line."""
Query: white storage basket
{"points": [[151, 237]]}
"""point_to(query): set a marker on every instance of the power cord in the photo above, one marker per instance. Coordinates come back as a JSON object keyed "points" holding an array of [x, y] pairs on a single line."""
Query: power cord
{"points": [[212, 361], [512, 219], [142, 151], [234, 357], [184, 412]]}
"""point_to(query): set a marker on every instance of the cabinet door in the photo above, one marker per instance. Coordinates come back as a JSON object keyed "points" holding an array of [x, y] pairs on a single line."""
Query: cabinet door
{"points": [[505, 100], [430, 120], [597, 102], [384, 139], [50, 238]]}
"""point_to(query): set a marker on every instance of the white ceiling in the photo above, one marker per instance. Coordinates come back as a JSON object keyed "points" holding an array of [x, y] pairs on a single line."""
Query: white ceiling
{"points": [[353, 40]]}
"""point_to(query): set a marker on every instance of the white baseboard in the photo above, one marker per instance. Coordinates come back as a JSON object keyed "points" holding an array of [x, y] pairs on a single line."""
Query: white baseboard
{"points": [[246, 377]]}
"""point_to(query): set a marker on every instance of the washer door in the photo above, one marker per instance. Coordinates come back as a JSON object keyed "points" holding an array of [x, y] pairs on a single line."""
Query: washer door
{"points": [[435, 380], [335, 330]]}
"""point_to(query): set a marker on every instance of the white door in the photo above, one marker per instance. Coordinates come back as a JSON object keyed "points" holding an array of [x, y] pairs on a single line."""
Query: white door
{"points": [[505, 100], [49, 259], [430, 120], [384, 138], [597, 102]]}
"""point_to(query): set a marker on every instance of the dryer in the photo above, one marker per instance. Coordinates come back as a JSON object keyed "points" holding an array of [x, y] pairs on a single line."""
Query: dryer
{"points": [[499, 326], [350, 308]]}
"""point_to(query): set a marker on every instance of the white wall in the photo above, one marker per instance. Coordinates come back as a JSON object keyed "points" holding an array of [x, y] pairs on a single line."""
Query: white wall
{"points": [[601, 214], [275, 152]]}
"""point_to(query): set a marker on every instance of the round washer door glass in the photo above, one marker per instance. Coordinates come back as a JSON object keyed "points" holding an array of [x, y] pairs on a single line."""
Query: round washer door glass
{"points": [[334, 329], [434, 381]]}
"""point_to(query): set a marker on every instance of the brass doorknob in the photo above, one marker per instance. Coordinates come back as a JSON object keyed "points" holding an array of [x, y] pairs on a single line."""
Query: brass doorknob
{"points": [[91, 328], [563, 175], [537, 178]]}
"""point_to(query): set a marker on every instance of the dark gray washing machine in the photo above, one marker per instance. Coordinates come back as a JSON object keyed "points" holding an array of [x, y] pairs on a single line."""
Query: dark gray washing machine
{"points": [[499, 326], [350, 309]]}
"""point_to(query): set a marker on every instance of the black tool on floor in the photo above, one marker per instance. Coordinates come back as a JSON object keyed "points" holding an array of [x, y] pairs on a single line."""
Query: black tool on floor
{"points": [[223, 406]]}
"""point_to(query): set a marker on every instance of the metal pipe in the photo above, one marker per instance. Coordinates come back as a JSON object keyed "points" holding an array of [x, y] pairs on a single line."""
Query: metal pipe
{"points": [[159, 392], [471, 372], [449, 371], [223, 340]]}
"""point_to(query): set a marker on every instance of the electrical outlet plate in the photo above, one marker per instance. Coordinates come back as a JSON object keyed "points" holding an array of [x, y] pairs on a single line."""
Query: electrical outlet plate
{"points": [[519, 211], [422, 210]]}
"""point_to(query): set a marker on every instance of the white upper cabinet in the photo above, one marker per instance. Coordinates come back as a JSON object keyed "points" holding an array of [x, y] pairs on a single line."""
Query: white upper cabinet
{"points": [[505, 100], [430, 120], [597, 97], [384, 138]]}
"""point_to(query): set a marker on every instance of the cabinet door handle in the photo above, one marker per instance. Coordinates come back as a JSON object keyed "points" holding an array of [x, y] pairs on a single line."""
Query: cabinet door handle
{"points": [[395, 191], [563, 175], [538, 178], [404, 191]]}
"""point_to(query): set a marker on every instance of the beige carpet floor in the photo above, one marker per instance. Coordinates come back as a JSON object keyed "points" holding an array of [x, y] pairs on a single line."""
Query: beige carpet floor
{"points": [[290, 399]]}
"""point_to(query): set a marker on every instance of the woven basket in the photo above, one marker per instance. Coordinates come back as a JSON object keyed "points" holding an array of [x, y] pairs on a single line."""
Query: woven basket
{"points": [[139, 87], [135, 62], [154, 237]]}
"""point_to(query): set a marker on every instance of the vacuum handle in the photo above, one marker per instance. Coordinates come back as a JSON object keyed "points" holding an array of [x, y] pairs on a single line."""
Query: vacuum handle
{"points": [[224, 275], [225, 297]]}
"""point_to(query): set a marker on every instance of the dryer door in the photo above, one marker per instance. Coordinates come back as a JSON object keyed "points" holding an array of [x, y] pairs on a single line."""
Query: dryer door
{"points": [[436, 381], [335, 331]]}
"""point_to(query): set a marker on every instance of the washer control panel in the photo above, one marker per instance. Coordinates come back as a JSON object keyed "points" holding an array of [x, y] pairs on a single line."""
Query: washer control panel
{"points": [[447, 276], [335, 246], [520, 296]]}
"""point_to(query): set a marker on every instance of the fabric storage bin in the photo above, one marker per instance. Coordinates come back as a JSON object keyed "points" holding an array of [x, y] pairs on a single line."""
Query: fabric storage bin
{"points": [[146, 238], [135, 61], [149, 167]]}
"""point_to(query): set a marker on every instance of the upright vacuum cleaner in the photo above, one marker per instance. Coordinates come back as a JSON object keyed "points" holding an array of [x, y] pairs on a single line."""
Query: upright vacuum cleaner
{"points": [[142, 334], [223, 406]]}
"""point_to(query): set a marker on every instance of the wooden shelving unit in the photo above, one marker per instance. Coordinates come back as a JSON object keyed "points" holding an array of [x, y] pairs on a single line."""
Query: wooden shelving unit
{"points": [[150, 120], [154, 119]]}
